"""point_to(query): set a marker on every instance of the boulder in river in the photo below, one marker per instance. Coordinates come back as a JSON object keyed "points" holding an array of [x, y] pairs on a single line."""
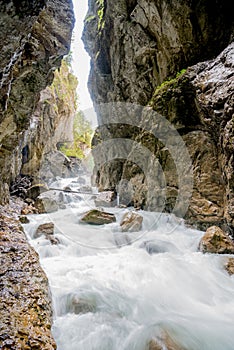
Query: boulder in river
{"points": [[106, 199], [163, 342], [46, 229], [216, 241], [46, 205], [97, 217], [229, 266], [131, 222]]}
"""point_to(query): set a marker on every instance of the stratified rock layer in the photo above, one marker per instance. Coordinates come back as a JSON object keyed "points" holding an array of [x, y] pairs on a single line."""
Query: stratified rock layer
{"points": [[25, 303], [137, 50]]}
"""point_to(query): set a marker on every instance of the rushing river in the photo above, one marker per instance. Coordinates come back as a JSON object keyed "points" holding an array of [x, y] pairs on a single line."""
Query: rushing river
{"points": [[110, 295]]}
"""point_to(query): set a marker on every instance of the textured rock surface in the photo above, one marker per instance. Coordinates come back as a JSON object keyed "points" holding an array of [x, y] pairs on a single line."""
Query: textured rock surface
{"points": [[229, 266], [25, 304], [34, 37], [216, 241], [106, 199], [135, 47], [131, 222], [97, 217]]}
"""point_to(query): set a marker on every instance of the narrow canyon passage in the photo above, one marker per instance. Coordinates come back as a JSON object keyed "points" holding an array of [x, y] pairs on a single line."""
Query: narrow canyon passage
{"points": [[116, 187]]}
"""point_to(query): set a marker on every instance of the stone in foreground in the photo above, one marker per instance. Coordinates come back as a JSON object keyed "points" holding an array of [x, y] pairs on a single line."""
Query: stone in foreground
{"points": [[131, 222], [216, 241], [97, 217]]}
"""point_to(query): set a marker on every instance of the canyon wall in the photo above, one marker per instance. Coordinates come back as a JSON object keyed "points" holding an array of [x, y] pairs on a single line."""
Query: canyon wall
{"points": [[34, 37], [34, 117], [154, 62]]}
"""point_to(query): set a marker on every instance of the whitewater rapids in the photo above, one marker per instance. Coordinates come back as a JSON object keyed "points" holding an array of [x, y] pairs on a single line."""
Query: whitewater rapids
{"points": [[111, 295]]}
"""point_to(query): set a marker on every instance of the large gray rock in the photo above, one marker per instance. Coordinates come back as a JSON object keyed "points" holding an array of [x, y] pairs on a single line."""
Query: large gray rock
{"points": [[46, 205], [106, 199]]}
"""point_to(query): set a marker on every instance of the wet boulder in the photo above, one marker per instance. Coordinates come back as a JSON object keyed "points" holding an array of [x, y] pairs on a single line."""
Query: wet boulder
{"points": [[44, 229], [106, 199], [46, 204], [216, 241], [131, 222], [97, 217], [164, 341], [47, 230], [229, 266]]}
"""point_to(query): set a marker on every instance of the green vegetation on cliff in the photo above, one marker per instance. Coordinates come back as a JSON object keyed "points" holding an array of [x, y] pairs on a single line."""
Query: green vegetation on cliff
{"points": [[82, 135], [65, 101]]}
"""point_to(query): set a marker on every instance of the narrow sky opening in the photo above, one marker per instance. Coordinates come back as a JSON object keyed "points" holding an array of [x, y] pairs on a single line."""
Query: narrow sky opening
{"points": [[81, 60]]}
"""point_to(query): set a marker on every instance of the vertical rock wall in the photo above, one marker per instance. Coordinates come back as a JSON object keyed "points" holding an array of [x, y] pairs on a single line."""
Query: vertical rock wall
{"points": [[137, 49], [34, 37]]}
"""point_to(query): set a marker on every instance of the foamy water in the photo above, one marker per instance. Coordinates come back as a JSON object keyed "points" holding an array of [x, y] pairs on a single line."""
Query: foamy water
{"points": [[109, 293]]}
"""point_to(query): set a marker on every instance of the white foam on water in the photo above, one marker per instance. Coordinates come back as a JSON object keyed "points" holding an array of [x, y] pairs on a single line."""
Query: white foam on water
{"points": [[112, 297]]}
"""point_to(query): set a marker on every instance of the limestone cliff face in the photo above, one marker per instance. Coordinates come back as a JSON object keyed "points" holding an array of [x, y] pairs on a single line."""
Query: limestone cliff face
{"points": [[137, 48], [34, 37], [51, 123]]}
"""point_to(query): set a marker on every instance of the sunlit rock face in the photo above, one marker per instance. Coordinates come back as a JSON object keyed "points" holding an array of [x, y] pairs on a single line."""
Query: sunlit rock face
{"points": [[34, 37], [137, 49]]}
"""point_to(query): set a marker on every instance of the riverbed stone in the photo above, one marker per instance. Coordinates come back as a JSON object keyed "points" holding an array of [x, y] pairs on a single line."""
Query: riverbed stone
{"points": [[106, 199], [229, 266], [131, 222], [216, 241], [163, 342], [97, 217], [45, 229], [46, 205]]}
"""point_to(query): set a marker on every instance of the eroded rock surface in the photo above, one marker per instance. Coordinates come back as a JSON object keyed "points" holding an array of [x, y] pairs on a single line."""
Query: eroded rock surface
{"points": [[25, 303], [216, 241], [229, 266], [137, 49], [131, 222], [34, 37], [97, 217]]}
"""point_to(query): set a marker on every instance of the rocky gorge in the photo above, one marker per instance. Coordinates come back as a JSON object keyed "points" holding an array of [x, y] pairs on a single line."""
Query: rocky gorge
{"points": [[161, 81], [176, 60], [34, 117]]}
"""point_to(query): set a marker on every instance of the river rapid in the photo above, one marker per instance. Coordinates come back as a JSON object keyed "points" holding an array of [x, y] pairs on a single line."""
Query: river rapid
{"points": [[117, 291]]}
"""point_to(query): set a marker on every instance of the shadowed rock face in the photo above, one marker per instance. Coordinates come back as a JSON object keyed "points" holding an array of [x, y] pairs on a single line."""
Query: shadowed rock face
{"points": [[34, 36], [135, 47], [25, 303]]}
